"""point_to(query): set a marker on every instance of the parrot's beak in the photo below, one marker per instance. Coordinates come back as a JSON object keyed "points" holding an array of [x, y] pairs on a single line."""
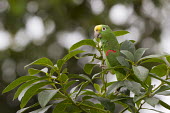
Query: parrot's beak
{"points": [[97, 34], [97, 30]]}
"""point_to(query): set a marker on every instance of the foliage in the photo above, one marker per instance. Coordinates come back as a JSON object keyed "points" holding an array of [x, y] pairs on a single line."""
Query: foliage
{"points": [[66, 92]]}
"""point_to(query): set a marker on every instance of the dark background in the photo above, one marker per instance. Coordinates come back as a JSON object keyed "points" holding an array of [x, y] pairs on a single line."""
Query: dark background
{"points": [[31, 29]]}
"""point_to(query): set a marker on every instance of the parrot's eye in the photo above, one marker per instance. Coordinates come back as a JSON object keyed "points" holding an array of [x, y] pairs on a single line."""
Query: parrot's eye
{"points": [[103, 29]]}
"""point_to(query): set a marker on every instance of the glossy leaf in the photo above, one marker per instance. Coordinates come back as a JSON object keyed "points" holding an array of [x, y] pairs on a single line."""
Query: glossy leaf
{"points": [[88, 68], [45, 96], [128, 54], [153, 56], [160, 70], [97, 87], [24, 109], [81, 76], [81, 43], [114, 87], [29, 83], [42, 61], [120, 33], [31, 92], [152, 101], [33, 71], [140, 72], [139, 53], [130, 85], [17, 82], [157, 60], [122, 61], [165, 93], [128, 45]]}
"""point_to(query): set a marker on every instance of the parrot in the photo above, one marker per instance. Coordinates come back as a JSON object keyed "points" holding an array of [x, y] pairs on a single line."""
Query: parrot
{"points": [[110, 47]]}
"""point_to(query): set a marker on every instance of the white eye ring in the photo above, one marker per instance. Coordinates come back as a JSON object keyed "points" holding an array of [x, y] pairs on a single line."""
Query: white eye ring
{"points": [[103, 29]]}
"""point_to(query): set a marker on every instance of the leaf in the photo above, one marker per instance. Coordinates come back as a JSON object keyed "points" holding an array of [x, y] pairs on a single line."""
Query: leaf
{"points": [[45, 96], [17, 82], [42, 61], [81, 76], [120, 33], [139, 53], [31, 91], [114, 87], [24, 109], [153, 56], [72, 54], [130, 85], [160, 70], [66, 107], [157, 77], [165, 93], [128, 54], [97, 87], [33, 71], [167, 106], [88, 68], [122, 61], [158, 60], [107, 104], [140, 72], [41, 110], [168, 58], [128, 45], [81, 88], [29, 83], [81, 43], [63, 78], [69, 84], [152, 101]]}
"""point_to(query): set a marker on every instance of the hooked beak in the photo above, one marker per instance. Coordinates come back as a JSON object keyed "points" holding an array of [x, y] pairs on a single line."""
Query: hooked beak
{"points": [[97, 34]]}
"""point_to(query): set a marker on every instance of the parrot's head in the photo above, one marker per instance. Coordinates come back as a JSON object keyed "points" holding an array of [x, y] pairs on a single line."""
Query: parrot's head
{"points": [[101, 29]]}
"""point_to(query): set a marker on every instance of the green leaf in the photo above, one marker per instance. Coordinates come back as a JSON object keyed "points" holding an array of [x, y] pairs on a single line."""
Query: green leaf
{"points": [[42, 61], [41, 110], [31, 92], [17, 82], [157, 77], [60, 63], [130, 85], [29, 83], [140, 72], [128, 54], [24, 109], [158, 60], [45, 96], [160, 70], [88, 68], [122, 61], [81, 43], [128, 45], [152, 101], [139, 53], [165, 93], [81, 76], [72, 54], [66, 107], [33, 71], [167, 106], [69, 84], [63, 78], [168, 58], [81, 88], [114, 87], [107, 104], [162, 88], [120, 33], [153, 56], [97, 87]]}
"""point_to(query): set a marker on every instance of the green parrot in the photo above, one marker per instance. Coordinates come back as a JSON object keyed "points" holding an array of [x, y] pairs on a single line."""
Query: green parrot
{"points": [[109, 44], [110, 47]]}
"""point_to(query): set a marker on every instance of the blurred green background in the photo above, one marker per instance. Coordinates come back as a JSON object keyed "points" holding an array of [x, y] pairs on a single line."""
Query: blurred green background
{"points": [[31, 29]]}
